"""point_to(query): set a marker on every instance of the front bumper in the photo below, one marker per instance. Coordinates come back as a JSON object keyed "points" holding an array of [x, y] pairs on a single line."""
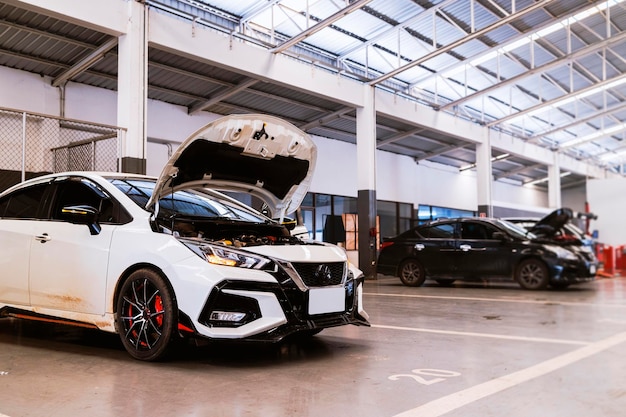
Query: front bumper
{"points": [[573, 272], [273, 311]]}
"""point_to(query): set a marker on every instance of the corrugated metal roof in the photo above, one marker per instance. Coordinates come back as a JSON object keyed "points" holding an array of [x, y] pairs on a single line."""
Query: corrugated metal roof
{"points": [[379, 37]]}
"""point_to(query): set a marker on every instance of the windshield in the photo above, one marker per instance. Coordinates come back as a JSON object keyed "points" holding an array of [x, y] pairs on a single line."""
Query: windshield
{"points": [[190, 203], [516, 230]]}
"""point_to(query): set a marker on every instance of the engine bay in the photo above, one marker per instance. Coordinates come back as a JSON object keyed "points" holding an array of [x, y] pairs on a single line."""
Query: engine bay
{"points": [[228, 232]]}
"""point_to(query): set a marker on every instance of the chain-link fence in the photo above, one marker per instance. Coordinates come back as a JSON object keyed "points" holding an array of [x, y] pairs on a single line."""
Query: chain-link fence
{"points": [[33, 145]]}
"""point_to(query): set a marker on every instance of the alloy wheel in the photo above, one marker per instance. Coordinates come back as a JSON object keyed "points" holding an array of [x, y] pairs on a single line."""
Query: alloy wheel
{"points": [[145, 315]]}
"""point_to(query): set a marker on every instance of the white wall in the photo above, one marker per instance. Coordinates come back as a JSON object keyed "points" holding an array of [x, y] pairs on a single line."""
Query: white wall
{"points": [[575, 198], [97, 105], [26, 91], [607, 199], [441, 185], [398, 177], [335, 169], [509, 195]]}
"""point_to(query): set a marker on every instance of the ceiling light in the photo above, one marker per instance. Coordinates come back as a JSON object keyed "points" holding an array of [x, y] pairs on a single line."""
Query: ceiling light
{"points": [[599, 134], [555, 103], [562, 24], [587, 93], [495, 158], [613, 155], [540, 180]]}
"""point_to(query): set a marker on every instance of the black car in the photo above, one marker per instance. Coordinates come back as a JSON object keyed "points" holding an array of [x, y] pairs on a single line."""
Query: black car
{"points": [[478, 248]]}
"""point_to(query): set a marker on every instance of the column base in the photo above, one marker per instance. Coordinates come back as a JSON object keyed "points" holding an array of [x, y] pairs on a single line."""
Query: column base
{"points": [[366, 209]]}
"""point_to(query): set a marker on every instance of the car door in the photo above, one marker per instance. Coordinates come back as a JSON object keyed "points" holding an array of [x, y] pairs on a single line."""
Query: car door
{"points": [[19, 216], [479, 253], [68, 264], [435, 248]]}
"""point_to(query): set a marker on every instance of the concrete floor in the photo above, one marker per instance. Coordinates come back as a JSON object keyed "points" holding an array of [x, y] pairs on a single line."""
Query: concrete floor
{"points": [[469, 350]]}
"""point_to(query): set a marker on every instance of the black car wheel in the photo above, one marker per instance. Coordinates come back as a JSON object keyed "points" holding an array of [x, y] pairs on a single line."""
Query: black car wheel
{"points": [[532, 274], [146, 315], [445, 282], [412, 273]]}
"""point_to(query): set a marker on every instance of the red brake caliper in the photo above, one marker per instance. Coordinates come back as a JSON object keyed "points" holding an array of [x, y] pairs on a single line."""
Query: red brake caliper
{"points": [[158, 307], [131, 321]]}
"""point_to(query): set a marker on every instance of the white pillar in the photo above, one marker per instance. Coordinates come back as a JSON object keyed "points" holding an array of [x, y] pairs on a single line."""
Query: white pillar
{"points": [[132, 88], [554, 183], [484, 176], [366, 162]]}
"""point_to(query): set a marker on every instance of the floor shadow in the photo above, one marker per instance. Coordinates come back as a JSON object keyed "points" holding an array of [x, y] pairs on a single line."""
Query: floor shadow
{"points": [[230, 354]]}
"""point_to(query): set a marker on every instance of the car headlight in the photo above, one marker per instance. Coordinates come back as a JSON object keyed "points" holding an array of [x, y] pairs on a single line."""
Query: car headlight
{"points": [[586, 249], [224, 255], [562, 252]]}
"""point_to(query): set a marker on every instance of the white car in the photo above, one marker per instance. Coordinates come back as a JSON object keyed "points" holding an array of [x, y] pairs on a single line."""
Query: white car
{"points": [[157, 259]]}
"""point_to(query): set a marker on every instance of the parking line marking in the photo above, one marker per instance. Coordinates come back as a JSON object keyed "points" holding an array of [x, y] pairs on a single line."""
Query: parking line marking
{"points": [[489, 335], [500, 300], [458, 399]]}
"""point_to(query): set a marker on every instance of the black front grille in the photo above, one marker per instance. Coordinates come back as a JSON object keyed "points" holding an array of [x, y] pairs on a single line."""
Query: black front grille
{"points": [[320, 275]]}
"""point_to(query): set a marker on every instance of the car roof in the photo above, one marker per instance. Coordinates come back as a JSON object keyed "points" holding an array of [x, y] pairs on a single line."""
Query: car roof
{"points": [[87, 174], [462, 219]]}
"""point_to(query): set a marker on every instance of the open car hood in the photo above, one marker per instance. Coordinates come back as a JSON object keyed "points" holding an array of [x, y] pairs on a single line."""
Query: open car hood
{"points": [[255, 154], [550, 224]]}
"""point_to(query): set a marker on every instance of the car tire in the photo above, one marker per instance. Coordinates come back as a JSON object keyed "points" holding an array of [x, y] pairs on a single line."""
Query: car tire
{"points": [[411, 273], [146, 315], [445, 282], [532, 274]]}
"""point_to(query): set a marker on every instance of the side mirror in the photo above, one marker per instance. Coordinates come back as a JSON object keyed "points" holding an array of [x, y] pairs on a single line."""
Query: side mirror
{"points": [[86, 215]]}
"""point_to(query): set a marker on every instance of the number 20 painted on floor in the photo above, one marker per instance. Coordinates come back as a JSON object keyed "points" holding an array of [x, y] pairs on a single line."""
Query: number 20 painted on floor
{"points": [[421, 376]]}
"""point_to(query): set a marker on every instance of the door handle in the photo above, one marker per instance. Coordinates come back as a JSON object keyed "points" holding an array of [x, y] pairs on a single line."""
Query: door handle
{"points": [[466, 248], [43, 238], [419, 246]]}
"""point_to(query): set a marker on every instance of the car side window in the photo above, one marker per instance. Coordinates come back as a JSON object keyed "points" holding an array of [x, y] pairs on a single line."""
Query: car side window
{"points": [[490, 230], [76, 192], [439, 231], [473, 231], [24, 203], [476, 231]]}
